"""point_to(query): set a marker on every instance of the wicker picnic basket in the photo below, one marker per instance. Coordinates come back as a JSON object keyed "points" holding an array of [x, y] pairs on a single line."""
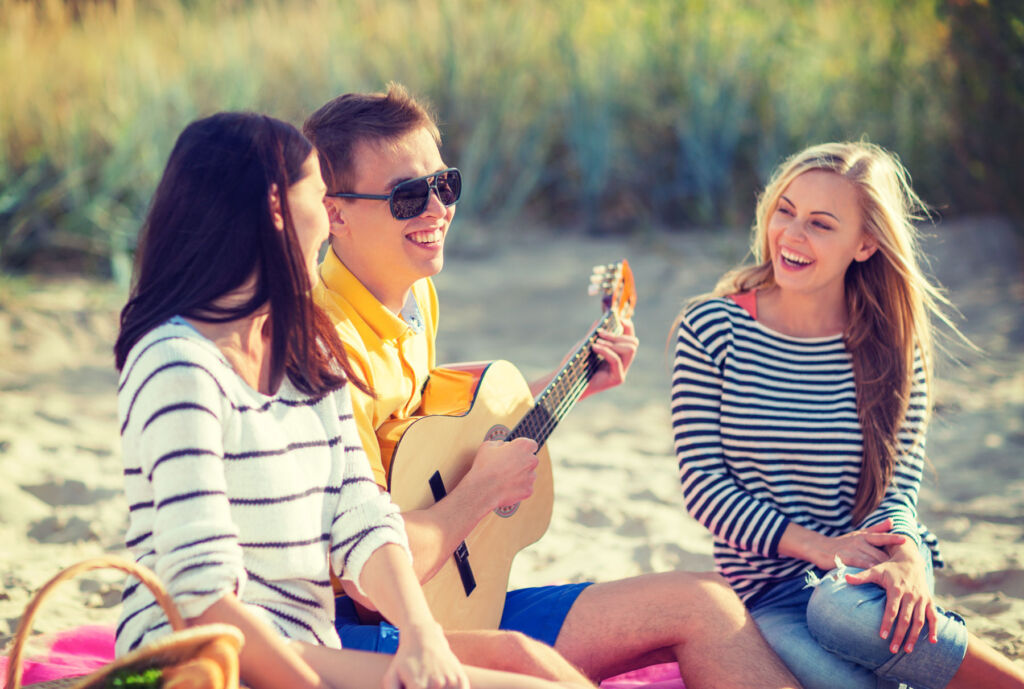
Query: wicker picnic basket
{"points": [[203, 657]]}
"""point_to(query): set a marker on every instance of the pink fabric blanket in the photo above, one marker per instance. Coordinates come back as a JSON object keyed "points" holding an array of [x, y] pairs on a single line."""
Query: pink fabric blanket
{"points": [[85, 649], [654, 677], [70, 653]]}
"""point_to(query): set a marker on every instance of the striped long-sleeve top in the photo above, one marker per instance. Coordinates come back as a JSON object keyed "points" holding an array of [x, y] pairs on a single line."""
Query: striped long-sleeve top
{"points": [[230, 490], [766, 433]]}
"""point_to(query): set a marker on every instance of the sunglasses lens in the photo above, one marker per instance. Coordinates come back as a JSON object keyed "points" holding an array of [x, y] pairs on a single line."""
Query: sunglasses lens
{"points": [[449, 187], [409, 199]]}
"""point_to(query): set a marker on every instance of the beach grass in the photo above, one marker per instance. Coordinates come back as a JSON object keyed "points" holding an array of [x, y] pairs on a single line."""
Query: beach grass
{"points": [[614, 115]]}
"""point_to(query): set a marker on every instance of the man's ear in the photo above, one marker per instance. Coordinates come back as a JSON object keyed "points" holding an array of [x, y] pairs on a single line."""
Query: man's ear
{"points": [[336, 216], [868, 247], [274, 199]]}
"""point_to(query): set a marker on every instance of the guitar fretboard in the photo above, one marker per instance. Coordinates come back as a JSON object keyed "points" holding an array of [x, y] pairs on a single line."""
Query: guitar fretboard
{"points": [[566, 388]]}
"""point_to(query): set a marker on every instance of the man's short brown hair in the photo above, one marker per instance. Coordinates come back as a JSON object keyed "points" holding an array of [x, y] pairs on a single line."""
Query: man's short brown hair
{"points": [[342, 123]]}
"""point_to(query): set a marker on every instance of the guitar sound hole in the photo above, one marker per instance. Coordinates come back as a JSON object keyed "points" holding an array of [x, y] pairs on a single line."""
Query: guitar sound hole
{"points": [[497, 432], [500, 432], [506, 511]]}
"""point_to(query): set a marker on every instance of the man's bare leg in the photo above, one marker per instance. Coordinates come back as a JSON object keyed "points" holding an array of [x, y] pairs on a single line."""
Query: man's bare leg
{"points": [[513, 652], [693, 619], [345, 669]]}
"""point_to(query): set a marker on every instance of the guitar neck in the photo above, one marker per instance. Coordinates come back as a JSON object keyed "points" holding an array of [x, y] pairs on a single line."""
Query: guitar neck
{"points": [[566, 388]]}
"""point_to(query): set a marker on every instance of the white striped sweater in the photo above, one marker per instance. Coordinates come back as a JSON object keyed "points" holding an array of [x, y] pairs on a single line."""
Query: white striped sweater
{"points": [[230, 490], [766, 432]]}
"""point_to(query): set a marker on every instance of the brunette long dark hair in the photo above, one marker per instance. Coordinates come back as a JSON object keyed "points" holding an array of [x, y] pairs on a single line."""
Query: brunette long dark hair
{"points": [[209, 232]]}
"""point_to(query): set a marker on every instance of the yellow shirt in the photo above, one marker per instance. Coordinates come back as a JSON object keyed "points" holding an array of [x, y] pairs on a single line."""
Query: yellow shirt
{"points": [[389, 355]]}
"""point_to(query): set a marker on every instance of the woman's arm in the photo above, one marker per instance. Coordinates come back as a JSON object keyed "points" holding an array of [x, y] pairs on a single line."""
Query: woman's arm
{"points": [[369, 548], [267, 660], [172, 409], [862, 548], [424, 658], [711, 494]]}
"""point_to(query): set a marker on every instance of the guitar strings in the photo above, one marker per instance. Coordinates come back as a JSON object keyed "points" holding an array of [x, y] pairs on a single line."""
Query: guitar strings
{"points": [[575, 392], [583, 368]]}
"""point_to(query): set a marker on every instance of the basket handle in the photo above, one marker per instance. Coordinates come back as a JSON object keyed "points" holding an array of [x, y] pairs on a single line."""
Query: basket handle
{"points": [[144, 574]]}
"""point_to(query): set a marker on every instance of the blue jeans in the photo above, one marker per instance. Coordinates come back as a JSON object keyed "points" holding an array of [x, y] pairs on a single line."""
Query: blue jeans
{"points": [[827, 635]]}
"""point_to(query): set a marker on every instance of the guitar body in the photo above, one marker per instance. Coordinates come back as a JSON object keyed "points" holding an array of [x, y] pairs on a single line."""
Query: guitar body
{"points": [[462, 406], [445, 442]]}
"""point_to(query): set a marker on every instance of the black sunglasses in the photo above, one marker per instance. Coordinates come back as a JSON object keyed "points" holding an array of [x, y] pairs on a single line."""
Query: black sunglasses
{"points": [[410, 198]]}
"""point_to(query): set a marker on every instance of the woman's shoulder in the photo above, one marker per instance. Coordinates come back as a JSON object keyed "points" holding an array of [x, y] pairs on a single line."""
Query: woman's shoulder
{"points": [[712, 312], [173, 342]]}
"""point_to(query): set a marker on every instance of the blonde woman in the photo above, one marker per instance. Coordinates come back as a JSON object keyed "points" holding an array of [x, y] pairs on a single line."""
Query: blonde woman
{"points": [[800, 398]]}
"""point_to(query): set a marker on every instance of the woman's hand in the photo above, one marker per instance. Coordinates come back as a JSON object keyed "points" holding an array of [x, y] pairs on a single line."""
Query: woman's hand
{"points": [[424, 661], [909, 603], [862, 548]]}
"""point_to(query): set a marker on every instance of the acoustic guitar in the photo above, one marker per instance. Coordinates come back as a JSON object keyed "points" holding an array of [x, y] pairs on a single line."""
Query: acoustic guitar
{"points": [[464, 405]]}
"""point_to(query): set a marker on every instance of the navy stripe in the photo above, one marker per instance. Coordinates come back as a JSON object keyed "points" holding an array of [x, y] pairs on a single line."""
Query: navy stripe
{"points": [[201, 541], [135, 541], [282, 591], [286, 544], [291, 447], [317, 490], [295, 621], [178, 454], [178, 407], [191, 495]]}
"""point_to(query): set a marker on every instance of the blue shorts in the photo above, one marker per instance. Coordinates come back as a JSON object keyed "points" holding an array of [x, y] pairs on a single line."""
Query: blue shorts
{"points": [[537, 612]]}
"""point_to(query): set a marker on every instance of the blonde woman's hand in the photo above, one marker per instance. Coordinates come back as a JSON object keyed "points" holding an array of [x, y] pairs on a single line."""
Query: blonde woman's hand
{"points": [[909, 603], [862, 548], [424, 661]]}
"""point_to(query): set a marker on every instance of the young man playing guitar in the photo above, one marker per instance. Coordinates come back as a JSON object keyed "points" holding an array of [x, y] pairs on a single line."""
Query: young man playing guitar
{"points": [[391, 199]]}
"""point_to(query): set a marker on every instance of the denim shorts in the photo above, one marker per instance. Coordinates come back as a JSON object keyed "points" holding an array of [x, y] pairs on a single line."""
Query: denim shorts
{"points": [[537, 612], [827, 634]]}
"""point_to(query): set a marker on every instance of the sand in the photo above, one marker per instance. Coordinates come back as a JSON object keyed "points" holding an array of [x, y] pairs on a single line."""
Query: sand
{"points": [[618, 511]]}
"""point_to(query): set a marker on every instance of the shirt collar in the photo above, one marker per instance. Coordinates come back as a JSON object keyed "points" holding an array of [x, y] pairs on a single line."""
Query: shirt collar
{"points": [[339, 280]]}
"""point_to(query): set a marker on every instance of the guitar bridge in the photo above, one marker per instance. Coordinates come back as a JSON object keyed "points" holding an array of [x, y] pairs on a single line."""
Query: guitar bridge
{"points": [[462, 552]]}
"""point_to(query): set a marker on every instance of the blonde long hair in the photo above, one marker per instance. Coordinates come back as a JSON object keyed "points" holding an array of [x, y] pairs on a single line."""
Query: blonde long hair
{"points": [[890, 300]]}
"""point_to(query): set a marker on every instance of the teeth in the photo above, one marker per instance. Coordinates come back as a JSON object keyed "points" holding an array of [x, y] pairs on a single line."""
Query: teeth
{"points": [[793, 258], [426, 236]]}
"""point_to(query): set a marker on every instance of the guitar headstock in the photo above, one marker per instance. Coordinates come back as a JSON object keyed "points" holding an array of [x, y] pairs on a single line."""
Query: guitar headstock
{"points": [[614, 282]]}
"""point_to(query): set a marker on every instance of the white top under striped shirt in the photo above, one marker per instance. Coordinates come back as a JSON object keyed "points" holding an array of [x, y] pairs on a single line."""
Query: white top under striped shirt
{"points": [[766, 432], [230, 490]]}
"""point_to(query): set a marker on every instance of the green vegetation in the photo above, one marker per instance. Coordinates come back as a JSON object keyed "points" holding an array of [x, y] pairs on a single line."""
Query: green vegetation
{"points": [[613, 114], [130, 678]]}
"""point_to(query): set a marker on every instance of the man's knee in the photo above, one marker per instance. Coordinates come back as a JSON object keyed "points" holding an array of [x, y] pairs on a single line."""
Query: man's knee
{"points": [[513, 651], [704, 597], [713, 587]]}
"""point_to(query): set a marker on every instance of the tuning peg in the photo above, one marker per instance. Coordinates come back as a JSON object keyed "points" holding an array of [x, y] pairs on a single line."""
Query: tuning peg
{"points": [[600, 270], [593, 289]]}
